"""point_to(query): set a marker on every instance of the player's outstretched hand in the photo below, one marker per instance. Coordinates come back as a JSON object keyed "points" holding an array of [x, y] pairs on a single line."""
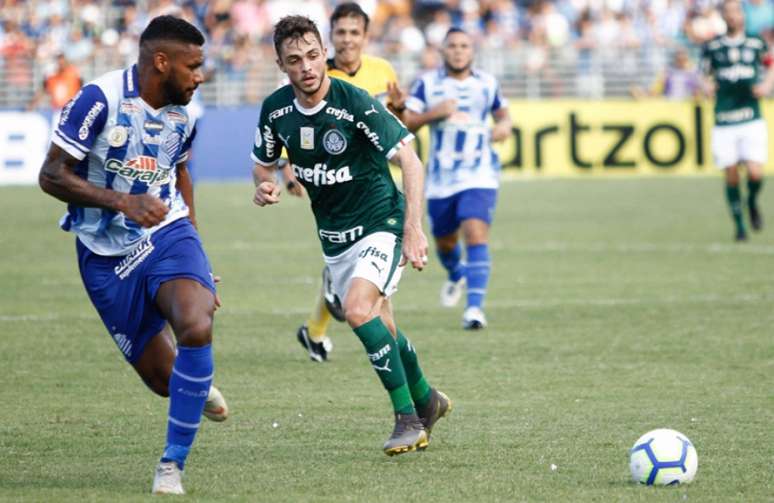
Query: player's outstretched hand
{"points": [[760, 90], [396, 96], [218, 303], [145, 209], [445, 108], [266, 193], [414, 247]]}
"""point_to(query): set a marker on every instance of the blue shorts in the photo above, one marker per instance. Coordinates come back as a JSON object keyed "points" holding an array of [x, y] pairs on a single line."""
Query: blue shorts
{"points": [[123, 289], [447, 214]]}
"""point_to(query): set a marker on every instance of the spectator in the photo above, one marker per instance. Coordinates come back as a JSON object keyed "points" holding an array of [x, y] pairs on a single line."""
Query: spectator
{"points": [[680, 81], [759, 17], [58, 87]]}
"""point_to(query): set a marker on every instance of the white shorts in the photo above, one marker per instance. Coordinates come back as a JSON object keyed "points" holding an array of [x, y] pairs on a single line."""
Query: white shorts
{"points": [[374, 258], [739, 143]]}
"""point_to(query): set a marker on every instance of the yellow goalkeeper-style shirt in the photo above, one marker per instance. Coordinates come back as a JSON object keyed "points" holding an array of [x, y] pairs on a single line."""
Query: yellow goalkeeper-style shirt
{"points": [[372, 76]]}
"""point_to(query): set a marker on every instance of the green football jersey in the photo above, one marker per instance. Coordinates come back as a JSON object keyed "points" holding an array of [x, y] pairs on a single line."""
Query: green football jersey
{"points": [[735, 64], [339, 151]]}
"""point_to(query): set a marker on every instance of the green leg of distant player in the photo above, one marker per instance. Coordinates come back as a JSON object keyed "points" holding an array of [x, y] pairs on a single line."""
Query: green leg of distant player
{"points": [[754, 184], [735, 201]]}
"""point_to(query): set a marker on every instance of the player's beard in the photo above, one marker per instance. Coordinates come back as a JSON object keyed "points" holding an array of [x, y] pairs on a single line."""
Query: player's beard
{"points": [[456, 71], [176, 95]]}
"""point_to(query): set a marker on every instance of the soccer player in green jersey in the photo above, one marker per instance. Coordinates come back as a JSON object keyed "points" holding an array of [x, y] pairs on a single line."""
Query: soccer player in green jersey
{"points": [[739, 136], [339, 139]]}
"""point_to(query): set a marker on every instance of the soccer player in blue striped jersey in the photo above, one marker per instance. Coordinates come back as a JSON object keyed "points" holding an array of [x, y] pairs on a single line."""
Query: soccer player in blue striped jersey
{"points": [[118, 158], [463, 169]]}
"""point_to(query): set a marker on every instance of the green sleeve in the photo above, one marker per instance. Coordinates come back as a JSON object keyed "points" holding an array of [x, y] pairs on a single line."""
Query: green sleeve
{"points": [[385, 132], [265, 148]]}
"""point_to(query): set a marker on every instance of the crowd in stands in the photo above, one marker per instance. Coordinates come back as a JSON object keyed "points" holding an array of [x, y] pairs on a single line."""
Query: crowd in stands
{"points": [[239, 31]]}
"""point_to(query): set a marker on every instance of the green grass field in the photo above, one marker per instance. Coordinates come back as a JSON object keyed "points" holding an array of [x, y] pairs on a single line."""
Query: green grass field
{"points": [[615, 307]]}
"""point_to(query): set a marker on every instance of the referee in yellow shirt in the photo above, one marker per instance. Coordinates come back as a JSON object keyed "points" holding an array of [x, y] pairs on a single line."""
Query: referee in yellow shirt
{"points": [[349, 35]]}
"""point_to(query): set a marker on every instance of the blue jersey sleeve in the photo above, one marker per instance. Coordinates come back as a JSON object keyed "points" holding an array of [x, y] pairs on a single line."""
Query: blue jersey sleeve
{"points": [[417, 101], [498, 101], [187, 144], [82, 120]]}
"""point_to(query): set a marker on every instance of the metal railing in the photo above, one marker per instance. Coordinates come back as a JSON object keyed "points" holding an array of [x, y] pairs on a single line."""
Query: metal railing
{"points": [[524, 72]]}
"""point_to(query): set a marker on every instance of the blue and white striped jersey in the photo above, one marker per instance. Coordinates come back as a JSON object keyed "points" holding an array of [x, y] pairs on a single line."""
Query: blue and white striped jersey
{"points": [[461, 154], [127, 146]]}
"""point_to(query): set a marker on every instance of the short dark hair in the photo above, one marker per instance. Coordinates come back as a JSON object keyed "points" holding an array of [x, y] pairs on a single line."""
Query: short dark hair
{"points": [[294, 27], [349, 9], [453, 30], [173, 29]]}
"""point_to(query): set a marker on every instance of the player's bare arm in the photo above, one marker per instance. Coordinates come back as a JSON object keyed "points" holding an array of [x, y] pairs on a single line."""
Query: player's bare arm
{"points": [[502, 124], [267, 190], [57, 178], [442, 110], [764, 87], [184, 185], [414, 239]]}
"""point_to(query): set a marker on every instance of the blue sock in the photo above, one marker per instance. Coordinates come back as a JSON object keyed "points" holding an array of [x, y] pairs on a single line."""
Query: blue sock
{"points": [[477, 272], [188, 390], [452, 261]]}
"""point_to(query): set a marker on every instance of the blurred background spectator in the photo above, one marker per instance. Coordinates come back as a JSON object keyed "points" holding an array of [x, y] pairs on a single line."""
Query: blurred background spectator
{"points": [[538, 48]]}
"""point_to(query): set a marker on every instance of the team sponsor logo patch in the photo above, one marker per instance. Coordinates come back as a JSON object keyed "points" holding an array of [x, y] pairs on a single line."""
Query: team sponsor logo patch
{"points": [[258, 138], [307, 138], [371, 135], [88, 121], [153, 125], [127, 107], [151, 139], [334, 142], [117, 136], [321, 175], [340, 114], [276, 114], [141, 168], [268, 137], [177, 117]]}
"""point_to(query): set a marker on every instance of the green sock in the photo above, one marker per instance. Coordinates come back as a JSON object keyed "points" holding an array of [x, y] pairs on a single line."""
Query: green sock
{"points": [[382, 350], [734, 202], [420, 389], [753, 187]]}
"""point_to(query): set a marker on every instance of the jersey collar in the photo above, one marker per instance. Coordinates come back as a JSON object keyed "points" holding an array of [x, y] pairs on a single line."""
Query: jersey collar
{"points": [[131, 77], [443, 73], [738, 40], [332, 66], [309, 111]]}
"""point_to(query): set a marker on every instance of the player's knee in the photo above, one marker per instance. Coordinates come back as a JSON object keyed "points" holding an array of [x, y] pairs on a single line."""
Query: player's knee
{"points": [[732, 175], [158, 385], [357, 313], [195, 332], [446, 243]]}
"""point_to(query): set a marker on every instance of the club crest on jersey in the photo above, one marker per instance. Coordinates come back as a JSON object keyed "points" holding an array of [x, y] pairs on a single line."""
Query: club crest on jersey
{"points": [[141, 168], [334, 142], [117, 136], [307, 138]]}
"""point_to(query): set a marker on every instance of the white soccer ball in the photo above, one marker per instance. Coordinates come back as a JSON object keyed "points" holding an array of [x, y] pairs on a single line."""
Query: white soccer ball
{"points": [[663, 457]]}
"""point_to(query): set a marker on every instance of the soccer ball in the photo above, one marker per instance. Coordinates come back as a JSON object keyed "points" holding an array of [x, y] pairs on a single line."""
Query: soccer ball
{"points": [[663, 457]]}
